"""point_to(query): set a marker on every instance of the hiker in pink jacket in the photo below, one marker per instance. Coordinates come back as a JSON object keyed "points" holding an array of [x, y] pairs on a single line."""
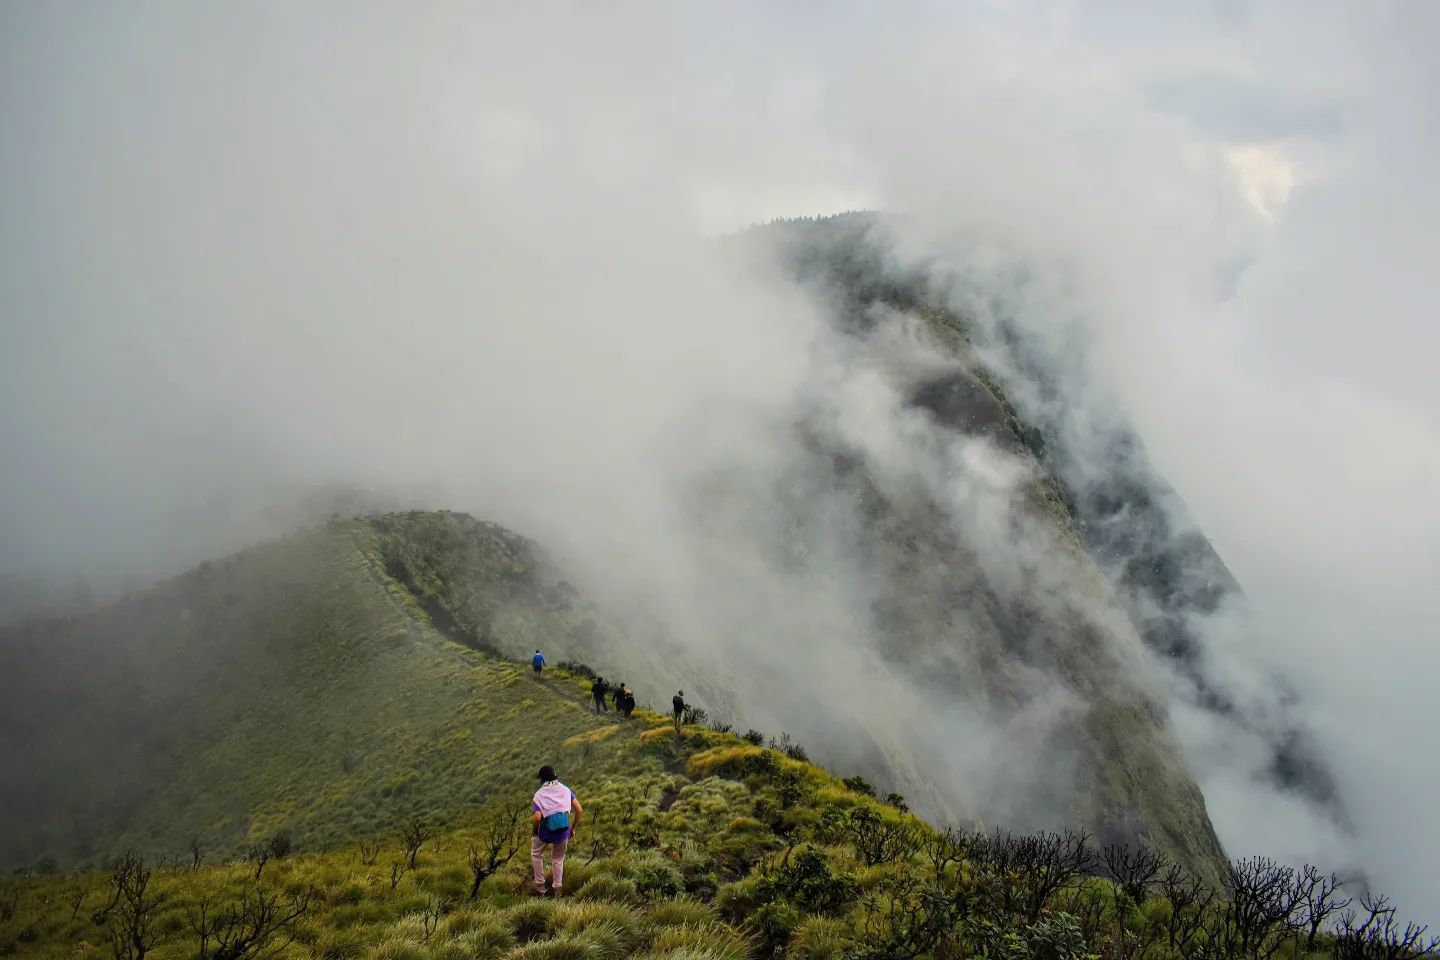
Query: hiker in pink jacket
{"points": [[557, 814]]}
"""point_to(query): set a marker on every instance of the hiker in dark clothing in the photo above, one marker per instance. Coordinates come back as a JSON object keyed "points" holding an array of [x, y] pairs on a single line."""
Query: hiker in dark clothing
{"points": [[598, 690], [620, 698], [678, 702], [538, 662], [629, 702]]}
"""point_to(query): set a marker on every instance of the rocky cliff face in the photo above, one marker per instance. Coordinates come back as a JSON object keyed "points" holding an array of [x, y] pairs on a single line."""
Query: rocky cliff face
{"points": [[1026, 396]]}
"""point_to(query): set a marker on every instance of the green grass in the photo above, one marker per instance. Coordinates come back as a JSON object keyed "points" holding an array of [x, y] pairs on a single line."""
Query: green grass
{"points": [[290, 688], [658, 872]]}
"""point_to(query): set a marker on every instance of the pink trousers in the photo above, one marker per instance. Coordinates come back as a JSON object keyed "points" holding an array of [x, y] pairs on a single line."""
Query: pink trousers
{"points": [[557, 862]]}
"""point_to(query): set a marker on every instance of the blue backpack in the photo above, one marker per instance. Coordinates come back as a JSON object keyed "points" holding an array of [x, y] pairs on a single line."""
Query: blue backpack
{"points": [[558, 821]]}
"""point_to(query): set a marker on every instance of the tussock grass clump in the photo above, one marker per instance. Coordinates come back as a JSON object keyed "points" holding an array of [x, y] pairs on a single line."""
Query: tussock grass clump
{"points": [[410, 927], [559, 949], [737, 900], [713, 940], [449, 950], [607, 886], [579, 917], [340, 943], [606, 940], [653, 874], [399, 948], [820, 938], [488, 940], [674, 913], [465, 919], [532, 919], [723, 761]]}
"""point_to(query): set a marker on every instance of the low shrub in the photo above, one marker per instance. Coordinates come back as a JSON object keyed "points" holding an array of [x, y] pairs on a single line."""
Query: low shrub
{"points": [[772, 924], [809, 883]]}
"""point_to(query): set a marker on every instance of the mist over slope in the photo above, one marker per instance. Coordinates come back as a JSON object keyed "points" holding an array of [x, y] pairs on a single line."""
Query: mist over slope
{"points": [[313, 685], [1173, 584]]}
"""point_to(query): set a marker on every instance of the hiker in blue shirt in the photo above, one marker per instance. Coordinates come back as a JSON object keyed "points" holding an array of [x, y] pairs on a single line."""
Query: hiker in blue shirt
{"points": [[538, 662]]}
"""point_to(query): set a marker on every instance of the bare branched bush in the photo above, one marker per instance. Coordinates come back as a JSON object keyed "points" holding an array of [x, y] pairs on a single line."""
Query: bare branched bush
{"points": [[75, 897], [414, 836], [1263, 898], [1189, 898], [1134, 871], [281, 844], [133, 931], [1319, 900], [1040, 864], [256, 927], [434, 912], [949, 847], [259, 854], [1379, 935], [368, 851], [501, 836]]}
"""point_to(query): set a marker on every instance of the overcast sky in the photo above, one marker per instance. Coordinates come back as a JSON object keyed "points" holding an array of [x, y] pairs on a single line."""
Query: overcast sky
{"points": [[246, 248]]}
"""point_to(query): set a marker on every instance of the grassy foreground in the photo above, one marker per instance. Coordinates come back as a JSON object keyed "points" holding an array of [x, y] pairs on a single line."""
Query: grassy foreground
{"points": [[703, 847]]}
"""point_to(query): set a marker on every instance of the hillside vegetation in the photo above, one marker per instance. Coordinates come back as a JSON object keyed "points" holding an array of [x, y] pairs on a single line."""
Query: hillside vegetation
{"points": [[295, 686], [708, 847]]}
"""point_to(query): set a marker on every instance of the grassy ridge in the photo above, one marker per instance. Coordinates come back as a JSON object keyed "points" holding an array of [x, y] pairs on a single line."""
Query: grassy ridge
{"points": [[292, 687]]}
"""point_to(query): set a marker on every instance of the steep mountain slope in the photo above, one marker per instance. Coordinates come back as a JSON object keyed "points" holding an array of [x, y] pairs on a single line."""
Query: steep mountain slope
{"points": [[291, 687], [1019, 384]]}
